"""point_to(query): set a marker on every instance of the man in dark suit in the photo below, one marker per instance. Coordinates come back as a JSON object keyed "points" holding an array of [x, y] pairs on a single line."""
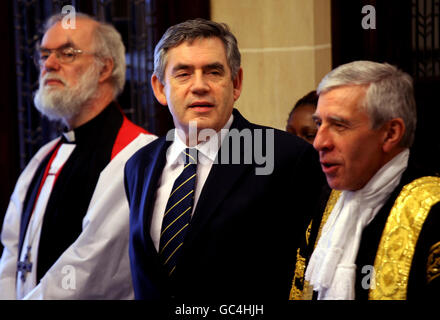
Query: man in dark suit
{"points": [[245, 203]]}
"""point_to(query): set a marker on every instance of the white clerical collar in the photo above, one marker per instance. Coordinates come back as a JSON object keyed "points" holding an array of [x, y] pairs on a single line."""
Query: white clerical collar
{"points": [[208, 148], [69, 135]]}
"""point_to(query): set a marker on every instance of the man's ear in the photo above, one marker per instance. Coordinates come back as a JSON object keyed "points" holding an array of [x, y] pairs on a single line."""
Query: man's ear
{"points": [[394, 131], [159, 90], [106, 70], [238, 82]]}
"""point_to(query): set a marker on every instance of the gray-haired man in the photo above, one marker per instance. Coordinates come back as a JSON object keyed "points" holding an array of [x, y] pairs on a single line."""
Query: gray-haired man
{"points": [[65, 233], [378, 236]]}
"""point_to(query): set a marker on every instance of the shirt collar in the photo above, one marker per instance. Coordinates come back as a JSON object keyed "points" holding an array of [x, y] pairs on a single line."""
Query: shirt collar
{"points": [[69, 135], [96, 130], [207, 148]]}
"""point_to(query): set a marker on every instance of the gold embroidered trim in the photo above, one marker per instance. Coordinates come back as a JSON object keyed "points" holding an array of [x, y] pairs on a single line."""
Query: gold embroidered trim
{"points": [[396, 248], [307, 292], [296, 293], [309, 228], [433, 264], [334, 196]]}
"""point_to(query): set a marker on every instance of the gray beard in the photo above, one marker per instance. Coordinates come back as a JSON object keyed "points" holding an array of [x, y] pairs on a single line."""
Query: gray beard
{"points": [[61, 104]]}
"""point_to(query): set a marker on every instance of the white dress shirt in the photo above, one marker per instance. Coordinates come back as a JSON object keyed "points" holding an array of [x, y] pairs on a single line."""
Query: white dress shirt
{"points": [[207, 152]]}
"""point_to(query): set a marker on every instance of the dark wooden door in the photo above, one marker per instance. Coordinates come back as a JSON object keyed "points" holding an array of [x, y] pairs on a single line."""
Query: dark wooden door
{"points": [[407, 35]]}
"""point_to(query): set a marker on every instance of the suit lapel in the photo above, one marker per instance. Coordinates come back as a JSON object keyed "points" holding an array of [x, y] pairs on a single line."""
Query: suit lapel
{"points": [[218, 185], [152, 175]]}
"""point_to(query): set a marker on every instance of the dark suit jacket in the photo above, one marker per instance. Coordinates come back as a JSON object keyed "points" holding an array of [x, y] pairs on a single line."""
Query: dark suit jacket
{"points": [[244, 231]]}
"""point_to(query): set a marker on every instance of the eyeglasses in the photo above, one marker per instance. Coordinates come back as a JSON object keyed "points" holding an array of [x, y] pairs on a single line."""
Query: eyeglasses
{"points": [[63, 54]]}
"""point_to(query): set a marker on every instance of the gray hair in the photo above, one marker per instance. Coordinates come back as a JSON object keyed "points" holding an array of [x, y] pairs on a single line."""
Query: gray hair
{"points": [[107, 44], [390, 93], [191, 30]]}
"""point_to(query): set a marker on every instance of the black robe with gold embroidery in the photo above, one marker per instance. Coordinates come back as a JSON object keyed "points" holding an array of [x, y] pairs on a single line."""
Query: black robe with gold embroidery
{"points": [[424, 280]]}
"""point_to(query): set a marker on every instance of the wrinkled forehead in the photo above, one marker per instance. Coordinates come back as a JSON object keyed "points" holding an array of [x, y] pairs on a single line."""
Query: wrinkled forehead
{"points": [[345, 97], [190, 42], [81, 36], [346, 102], [200, 51]]}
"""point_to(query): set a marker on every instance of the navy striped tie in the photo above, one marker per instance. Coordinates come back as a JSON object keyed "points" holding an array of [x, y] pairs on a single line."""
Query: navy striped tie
{"points": [[178, 212]]}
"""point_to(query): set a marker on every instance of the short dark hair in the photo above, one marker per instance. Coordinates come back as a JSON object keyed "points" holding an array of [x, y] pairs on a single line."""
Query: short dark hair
{"points": [[310, 98], [191, 30]]}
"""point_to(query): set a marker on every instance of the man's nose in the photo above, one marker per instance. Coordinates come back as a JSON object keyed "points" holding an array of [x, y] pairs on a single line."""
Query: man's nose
{"points": [[51, 62], [200, 84], [323, 140]]}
